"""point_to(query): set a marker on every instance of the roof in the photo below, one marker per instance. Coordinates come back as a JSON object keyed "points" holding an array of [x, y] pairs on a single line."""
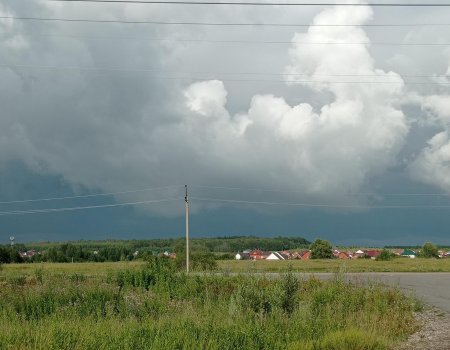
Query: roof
{"points": [[408, 252], [373, 253], [256, 252], [278, 255]]}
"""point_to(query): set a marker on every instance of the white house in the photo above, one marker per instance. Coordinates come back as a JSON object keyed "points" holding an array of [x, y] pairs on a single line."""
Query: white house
{"points": [[242, 256], [276, 256]]}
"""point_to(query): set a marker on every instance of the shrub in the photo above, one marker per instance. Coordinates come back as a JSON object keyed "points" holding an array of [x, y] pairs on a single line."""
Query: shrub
{"points": [[385, 255], [290, 289], [157, 307], [321, 249], [199, 262], [429, 250]]}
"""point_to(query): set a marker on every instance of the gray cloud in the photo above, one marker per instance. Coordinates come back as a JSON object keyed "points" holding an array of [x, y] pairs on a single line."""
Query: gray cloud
{"points": [[113, 130]]}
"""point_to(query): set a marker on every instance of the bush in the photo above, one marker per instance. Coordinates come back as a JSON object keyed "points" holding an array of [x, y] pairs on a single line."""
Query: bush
{"points": [[321, 249], [385, 255], [157, 308], [290, 288], [199, 262], [429, 250]]}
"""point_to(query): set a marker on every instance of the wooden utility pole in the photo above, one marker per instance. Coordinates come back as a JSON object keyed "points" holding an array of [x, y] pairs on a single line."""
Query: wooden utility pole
{"points": [[186, 201]]}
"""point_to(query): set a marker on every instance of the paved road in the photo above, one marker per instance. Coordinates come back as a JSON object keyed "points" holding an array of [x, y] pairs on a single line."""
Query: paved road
{"points": [[433, 288]]}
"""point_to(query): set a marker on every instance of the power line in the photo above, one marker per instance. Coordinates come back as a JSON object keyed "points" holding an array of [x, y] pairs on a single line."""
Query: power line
{"points": [[310, 205], [239, 3], [53, 210], [151, 70], [236, 24], [88, 196], [220, 200], [221, 41], [348, 194], [56, 68]]}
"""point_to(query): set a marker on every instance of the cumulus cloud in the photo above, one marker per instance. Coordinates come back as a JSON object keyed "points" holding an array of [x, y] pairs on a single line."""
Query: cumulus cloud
{"points": [[333, 149], [432, 165]]}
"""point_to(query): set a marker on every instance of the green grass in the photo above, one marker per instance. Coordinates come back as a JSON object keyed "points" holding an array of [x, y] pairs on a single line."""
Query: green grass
{"points": [[151, 306], [88, 269], [358, 265]]}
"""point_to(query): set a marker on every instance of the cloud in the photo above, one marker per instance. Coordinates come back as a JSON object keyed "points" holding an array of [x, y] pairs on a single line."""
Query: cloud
{"points": [[114, 131], [329, 150], [432, 166]]}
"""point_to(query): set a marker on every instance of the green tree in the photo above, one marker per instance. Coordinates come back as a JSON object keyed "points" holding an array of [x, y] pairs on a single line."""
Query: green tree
{"points": [[429, 250], [321, 249], [5, 257], [385, 255]]}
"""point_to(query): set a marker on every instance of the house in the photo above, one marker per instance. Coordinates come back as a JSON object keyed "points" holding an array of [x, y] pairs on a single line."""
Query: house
{"points": [[408, 253], [373, 254], [305, 255], [358, 254], [397, 252], [242, 256], [28, 254], [343, 256], [258, 254], [277, 256], [169, 255], [287, 253]]}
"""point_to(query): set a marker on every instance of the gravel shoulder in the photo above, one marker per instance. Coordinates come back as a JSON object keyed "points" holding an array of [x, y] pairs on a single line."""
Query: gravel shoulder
{"points": [[434, 333]]}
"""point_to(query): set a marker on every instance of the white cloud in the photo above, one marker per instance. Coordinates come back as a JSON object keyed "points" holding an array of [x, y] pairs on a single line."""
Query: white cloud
{"points": [[332, 150], [432, 166]]}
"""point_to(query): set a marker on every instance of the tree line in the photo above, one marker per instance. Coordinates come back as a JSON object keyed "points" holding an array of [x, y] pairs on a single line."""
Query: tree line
{"points": [[127, 250]]}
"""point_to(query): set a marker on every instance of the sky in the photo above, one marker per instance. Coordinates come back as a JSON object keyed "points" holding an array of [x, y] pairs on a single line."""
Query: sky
{"points": [[339, 132]]}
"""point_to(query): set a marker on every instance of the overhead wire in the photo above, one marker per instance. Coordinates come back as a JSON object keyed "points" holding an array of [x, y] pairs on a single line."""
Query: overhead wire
{"points": [[221, 200], [156, 71], [224, 24], [311, 205], [59, 68], [253, 3], [241, 41], [53, 210], [88, 195], [302, 192]]}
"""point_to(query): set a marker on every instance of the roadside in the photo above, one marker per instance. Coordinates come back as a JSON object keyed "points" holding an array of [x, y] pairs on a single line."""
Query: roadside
{"points": [[434, 334]]}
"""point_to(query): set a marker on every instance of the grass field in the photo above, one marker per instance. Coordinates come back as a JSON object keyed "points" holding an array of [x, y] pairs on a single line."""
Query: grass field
{"points": [[359, 265], [152, 306], [86, 269]]}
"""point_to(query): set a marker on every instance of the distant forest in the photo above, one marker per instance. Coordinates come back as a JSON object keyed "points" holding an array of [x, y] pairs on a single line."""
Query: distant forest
{"points": [[121, 250]]}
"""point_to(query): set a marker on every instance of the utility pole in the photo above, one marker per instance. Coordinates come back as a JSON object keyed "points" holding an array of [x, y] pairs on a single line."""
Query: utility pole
{"points": [[186, 202]]}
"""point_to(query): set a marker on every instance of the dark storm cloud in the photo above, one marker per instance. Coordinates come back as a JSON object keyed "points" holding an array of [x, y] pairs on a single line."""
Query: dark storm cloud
{"points": [[113, 129]]}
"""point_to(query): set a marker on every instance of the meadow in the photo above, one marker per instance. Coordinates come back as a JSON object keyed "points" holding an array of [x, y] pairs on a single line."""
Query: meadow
{"points": [[335, 265], [152, 305]]}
